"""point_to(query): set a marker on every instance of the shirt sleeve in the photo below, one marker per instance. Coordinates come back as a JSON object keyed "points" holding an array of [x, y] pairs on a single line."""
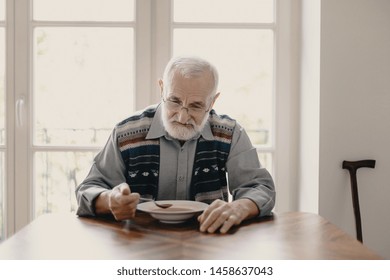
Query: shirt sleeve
{"points": [[247, 178], [107, 171]]}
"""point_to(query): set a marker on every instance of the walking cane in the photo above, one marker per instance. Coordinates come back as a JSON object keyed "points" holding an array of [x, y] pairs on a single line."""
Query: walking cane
{"points": [[352, 167]]}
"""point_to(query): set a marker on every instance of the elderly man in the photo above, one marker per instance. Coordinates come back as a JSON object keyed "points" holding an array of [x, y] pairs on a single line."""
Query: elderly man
{"points": [[180, 149]]}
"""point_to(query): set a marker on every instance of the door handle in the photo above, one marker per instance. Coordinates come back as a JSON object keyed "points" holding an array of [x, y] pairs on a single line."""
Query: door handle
{"points": [[19, 111]]}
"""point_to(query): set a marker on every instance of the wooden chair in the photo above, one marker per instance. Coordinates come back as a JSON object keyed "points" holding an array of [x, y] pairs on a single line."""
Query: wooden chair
{"points": [[352, 167]]}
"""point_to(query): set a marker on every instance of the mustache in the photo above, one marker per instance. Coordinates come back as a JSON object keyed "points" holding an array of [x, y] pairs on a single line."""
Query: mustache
{"points": [[174, 120]]}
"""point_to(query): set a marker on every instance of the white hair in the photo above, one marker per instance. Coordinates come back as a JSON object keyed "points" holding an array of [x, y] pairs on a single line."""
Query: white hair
{"points": [[188, 67]]}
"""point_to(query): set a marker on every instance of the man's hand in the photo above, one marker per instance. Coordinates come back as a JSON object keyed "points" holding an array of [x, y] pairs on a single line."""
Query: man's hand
{"points": [[119, 201], [223, 215]]}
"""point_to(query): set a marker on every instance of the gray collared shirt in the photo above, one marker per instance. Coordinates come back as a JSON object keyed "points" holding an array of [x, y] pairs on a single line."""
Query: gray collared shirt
{"points": [[246, 177]]}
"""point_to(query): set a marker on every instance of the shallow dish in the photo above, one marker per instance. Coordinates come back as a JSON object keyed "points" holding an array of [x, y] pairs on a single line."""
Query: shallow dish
{"points": [[179, 212]]}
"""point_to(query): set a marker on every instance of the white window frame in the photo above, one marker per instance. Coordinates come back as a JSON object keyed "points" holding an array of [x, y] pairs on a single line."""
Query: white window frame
{"points": [[19, 109], [8, 146], [287, 105], [152, 53], [284, 142]]}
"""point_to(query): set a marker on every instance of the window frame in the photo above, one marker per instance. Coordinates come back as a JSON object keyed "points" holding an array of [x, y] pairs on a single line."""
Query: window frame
{"points": [[285, 91], [151, 55], [4, 146]]}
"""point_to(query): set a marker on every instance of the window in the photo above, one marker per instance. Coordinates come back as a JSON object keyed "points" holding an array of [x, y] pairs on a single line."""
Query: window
{"points": [[2, 118], [74, 80], [82, 84], [81, 66], [239, 40]]}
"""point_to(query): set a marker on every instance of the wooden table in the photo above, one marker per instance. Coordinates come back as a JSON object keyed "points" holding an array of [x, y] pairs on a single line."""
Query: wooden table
{"points": [[292, 235]]}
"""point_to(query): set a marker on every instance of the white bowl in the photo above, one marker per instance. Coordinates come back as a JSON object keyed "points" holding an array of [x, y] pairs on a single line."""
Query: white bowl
{"points": [[179, 212]]}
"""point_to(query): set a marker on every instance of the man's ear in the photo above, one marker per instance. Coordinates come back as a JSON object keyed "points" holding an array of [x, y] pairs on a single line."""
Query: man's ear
{"points": [[215, 98], [161, 84]]}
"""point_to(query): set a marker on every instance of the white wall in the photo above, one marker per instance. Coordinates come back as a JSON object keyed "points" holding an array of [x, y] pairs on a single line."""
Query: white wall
{"points": [[309, 105], [355, 115]]}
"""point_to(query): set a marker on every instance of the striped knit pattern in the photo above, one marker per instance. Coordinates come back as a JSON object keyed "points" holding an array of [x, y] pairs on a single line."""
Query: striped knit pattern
{"points": [[142, 157], [209, 176]]}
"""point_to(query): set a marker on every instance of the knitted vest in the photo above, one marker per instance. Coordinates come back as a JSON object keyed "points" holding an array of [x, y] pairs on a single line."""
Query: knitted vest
{"points": [[142, 157]]}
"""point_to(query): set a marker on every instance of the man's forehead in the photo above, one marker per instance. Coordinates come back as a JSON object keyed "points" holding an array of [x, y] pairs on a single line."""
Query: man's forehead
{"points": [[203, 75], [202, 82]]}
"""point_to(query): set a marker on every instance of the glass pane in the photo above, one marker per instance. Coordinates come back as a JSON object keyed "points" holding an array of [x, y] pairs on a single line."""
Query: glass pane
{"points": [[56, 175], [244, 11], [84, 10], [2, 196], [266, 161], [2, 10], [244, 59], [83, 83], [2, 86], [2, 130]]}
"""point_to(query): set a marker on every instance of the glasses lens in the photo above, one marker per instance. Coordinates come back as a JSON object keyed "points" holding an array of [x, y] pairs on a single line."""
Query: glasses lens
{"points": [[175, 106]]}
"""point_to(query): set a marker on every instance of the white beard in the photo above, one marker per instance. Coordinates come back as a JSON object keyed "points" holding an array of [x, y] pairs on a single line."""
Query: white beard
{"points": [[179, 131]]}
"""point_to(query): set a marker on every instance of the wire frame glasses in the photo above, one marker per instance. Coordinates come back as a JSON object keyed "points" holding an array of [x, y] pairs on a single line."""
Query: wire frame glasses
{"points": [[192, 109]]}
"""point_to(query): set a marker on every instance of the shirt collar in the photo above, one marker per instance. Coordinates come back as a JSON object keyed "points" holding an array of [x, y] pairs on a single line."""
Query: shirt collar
{"points": [[157, 129]]}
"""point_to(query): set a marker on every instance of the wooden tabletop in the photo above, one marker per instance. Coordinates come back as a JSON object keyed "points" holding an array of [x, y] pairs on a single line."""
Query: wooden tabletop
{"points": [[292, 235]]}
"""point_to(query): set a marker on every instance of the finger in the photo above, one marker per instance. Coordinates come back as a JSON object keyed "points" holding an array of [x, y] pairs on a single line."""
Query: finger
{"points": [[118, 197], [126, 210], [134, 198], [218, 222], [203, 216], [129, 200], [214, 205], [129, 203], [124, 189], [231, 221], [210, 220], [205, 220]]}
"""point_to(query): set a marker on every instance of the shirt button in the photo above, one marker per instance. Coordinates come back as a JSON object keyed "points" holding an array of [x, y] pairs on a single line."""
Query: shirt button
{"points": [[181, 178]]}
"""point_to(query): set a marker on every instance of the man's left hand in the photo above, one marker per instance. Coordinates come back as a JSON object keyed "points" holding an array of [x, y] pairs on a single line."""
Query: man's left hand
{"points": [[223, 215]]}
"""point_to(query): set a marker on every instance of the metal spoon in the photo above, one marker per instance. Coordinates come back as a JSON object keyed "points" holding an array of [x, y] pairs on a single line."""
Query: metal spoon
{"points": [[158, 204]]}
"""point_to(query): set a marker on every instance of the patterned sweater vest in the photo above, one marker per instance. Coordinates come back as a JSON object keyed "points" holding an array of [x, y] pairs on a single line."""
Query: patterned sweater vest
{"points": [[142, 157]]}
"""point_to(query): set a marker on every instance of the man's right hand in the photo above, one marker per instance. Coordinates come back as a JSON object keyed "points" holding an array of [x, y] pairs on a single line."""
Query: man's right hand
{"points": [[119, 201]]}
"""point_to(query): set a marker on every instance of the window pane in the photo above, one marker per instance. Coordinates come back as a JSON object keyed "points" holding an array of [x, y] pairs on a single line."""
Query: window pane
{"points": [[83, 83], [2, 10], [56, 175], [2, 131], [84, 10], [2, 86], [244, 11], [244, 59], [2, 195], [266, 161]]}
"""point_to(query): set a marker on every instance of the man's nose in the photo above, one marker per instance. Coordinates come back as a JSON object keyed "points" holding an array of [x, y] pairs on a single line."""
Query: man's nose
{"points": [[183, 115]]}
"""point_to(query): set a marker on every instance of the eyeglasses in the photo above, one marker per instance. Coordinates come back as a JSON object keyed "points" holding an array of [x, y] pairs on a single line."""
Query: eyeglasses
{"points": [[192, 109]]}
